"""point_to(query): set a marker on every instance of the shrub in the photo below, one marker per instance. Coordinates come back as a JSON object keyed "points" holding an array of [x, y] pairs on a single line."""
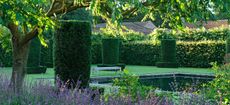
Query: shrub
{"points": [[47, 52], [189, 54], [47, 55], [168, 53], [228, 45], [168, 50], [72, 51], [5, 57], [36, 70], [200, 54], [34, 58], [34, 53], [140, 53], [218, 90], [193, 34], [96, 53], [129, 85], [159, 34], [5, 47], [127, 36], [110, 51]]}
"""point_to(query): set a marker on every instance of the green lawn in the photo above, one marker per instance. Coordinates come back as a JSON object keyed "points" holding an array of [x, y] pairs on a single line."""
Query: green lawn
{"points": [[137, 70]]}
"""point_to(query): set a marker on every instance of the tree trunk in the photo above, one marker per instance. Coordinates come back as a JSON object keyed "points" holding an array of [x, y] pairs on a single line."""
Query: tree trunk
{"points": [[20, 56]]}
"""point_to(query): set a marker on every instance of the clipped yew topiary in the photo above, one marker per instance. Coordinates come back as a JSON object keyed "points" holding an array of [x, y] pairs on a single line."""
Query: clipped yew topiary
{"points": [[168, 54], [111, 53], [227, 54], [47, 52], [72, 55], [33, 63], [228, 45]]}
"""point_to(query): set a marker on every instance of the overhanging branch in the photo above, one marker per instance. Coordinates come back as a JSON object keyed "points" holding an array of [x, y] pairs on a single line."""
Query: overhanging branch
{"points": [[57, 7], [63, 6], [33, 33]]}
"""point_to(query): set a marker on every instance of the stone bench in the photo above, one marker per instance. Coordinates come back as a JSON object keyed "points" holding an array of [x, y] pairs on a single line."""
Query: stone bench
{"points": [[96, 69], [115, 68]]}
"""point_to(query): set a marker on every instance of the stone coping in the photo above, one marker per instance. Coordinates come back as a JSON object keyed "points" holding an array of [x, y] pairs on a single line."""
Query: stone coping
{"points": [[151, 76]]}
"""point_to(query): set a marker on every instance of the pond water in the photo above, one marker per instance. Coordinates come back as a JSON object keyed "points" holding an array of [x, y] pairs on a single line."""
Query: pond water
{"points": [[176, 82], [168, 82]]}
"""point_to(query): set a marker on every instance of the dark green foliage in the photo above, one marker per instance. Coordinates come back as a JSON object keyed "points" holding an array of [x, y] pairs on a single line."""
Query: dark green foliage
{"points": [[33, 63], [197, 35], [47, 55], [200, 54], [110, 51], [168, 50], [124, 37], [34, 53], [72, 44], [168, 53], [219, 88], [5, 58], [78, 14], [36, 70], [193, 34], [140, 53], [228, 45], [189, 54], [96, 53]]}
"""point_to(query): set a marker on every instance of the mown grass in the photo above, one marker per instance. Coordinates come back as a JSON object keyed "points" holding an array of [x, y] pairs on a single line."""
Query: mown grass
{"points": [[133, 69]]}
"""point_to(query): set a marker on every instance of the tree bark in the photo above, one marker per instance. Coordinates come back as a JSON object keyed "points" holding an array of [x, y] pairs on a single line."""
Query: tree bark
{"points": [[20, 56]]}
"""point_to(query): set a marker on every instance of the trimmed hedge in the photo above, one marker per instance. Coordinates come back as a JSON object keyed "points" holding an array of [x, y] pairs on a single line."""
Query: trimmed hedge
{"points": [[193, 34], [189, 54], [127, 36], [202, 34], [34, 53], [110, 51], [72, 44], [34, 57], [168, 53], [47, 55], [96, 53], [168, 50], [140, 53], [228, 45], [200, 54], [36, 70]]}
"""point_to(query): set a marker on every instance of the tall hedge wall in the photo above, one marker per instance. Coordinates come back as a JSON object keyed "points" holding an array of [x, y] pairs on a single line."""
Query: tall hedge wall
{"points": [[133, 48], [34, 53], [228, 45], [72, 51], [47, 55], [200, 54], [189, 54], [140, 53], [193, 34]]}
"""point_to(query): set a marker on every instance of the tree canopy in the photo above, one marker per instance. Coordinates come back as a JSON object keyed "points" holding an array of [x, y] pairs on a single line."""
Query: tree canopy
{"points": [[27, 19], [31, 14]]}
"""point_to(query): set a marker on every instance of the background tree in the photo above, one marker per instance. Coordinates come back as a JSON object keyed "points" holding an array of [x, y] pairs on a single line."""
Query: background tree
{"points": [[27, 19]]}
